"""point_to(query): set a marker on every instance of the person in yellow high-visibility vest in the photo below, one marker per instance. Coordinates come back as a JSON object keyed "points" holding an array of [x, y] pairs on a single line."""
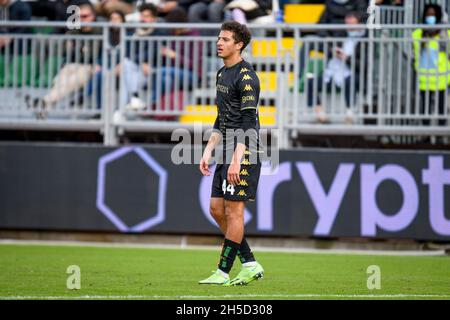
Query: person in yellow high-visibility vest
{"points": [[432, 64]]}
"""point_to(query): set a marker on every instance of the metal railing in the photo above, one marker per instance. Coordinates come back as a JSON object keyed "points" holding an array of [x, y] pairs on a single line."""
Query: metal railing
{"points": [[72, 82], [391, 15]]}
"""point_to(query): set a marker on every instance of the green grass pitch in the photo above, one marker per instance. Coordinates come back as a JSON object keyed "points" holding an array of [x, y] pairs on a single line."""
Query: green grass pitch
{"points": [[39, 272]]}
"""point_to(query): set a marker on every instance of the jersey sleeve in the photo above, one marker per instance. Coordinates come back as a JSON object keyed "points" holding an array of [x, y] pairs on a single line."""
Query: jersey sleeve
{"points": [[248, 84], [216, 123]]}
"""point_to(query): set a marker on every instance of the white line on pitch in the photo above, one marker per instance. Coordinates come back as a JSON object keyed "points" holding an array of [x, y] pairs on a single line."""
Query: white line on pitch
{"points": [[206, 247], [227, 296]]}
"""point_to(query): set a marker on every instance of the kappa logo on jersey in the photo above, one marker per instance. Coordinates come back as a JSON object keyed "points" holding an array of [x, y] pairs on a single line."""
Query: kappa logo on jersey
{"points": [[248, 88], [247, 152], [245, 162], [243, 183], [246, 77], [242, 193], [244, 172], [244, 70]]}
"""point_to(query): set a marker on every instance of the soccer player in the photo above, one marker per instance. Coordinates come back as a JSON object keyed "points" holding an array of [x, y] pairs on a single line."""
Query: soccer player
{"points": [[236, 180]]}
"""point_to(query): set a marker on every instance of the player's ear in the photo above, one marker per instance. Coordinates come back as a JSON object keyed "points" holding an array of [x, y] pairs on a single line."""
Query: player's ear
{"points": [[240, 45]]}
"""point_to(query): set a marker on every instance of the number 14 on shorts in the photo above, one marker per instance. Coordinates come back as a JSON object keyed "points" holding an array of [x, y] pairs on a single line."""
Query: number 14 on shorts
{"points": [[229, 188]]}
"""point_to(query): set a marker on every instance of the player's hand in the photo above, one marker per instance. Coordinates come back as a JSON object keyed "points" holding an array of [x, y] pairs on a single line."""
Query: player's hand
{"points": [[204, 166], [233, 174]]}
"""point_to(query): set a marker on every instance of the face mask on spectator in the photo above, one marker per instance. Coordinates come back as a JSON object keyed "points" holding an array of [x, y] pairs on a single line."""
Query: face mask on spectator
{"points": [[430, 20], [355, 34]]}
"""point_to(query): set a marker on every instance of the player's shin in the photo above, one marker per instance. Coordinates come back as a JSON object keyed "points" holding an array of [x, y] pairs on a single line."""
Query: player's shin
{"points": [[245, 254]]}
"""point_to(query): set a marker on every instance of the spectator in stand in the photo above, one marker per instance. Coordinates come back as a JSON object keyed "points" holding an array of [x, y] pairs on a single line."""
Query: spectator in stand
{"points": [[345, 59], [186, 4], [244, 11], [13, 10], [106, 7], [389, 2], [75, 74], [14, 51], [95, 83], [432, 64], [182, 60], [335, 13], [53, 10], [206, 11], [165, 6], [115, 17], [140, 61]]}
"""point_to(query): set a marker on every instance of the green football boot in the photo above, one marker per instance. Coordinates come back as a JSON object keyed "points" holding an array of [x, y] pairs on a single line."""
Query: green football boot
{"points": [[216, 278], [247, 275]]}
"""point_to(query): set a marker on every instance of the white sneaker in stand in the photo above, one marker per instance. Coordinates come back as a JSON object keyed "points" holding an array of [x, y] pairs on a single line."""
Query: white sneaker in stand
{"points": [[118, 117], [320, 114], [136, 104], [349, 116]]}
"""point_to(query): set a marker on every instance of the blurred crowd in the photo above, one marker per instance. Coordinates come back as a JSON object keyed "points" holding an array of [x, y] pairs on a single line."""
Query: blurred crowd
{"points": [[430, 51], [196, 11]]}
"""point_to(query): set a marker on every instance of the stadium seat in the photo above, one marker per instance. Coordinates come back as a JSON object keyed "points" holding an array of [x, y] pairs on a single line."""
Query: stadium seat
{"points": [[12, 72], [303, 13], [268, 48], [169, 102], [31, 76], [268, 80], [315, 67]]}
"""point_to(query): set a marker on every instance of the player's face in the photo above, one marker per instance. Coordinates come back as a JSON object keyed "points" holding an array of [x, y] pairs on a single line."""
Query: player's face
{"points": [[226, 45]]}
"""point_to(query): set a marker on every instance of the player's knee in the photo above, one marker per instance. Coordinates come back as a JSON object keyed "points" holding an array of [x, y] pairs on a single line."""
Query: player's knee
{"points": [[216, 212], [232, 214]]}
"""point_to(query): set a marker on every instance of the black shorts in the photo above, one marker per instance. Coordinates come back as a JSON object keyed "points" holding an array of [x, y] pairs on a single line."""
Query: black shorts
{"points": [[245, 191]]}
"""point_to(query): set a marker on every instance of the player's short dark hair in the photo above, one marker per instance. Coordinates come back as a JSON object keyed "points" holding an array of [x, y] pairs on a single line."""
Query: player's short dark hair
{"points": [[150, 7], [240, 32]]}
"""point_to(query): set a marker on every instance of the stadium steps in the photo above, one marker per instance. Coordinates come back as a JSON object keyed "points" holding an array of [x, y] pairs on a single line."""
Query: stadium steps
{"points": [[207, 115], [268, 48]]}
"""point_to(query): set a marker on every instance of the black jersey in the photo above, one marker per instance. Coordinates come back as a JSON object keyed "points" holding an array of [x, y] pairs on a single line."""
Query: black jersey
{"points": [[237, 105]]}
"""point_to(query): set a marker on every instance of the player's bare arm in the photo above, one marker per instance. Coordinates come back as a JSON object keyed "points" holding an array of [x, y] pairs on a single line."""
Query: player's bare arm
{"points": [[235, 165], [213, 141]]}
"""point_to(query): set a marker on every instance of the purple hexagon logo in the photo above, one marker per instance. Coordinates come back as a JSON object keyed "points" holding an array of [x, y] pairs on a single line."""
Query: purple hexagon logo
{"points": [[153, 165]]}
